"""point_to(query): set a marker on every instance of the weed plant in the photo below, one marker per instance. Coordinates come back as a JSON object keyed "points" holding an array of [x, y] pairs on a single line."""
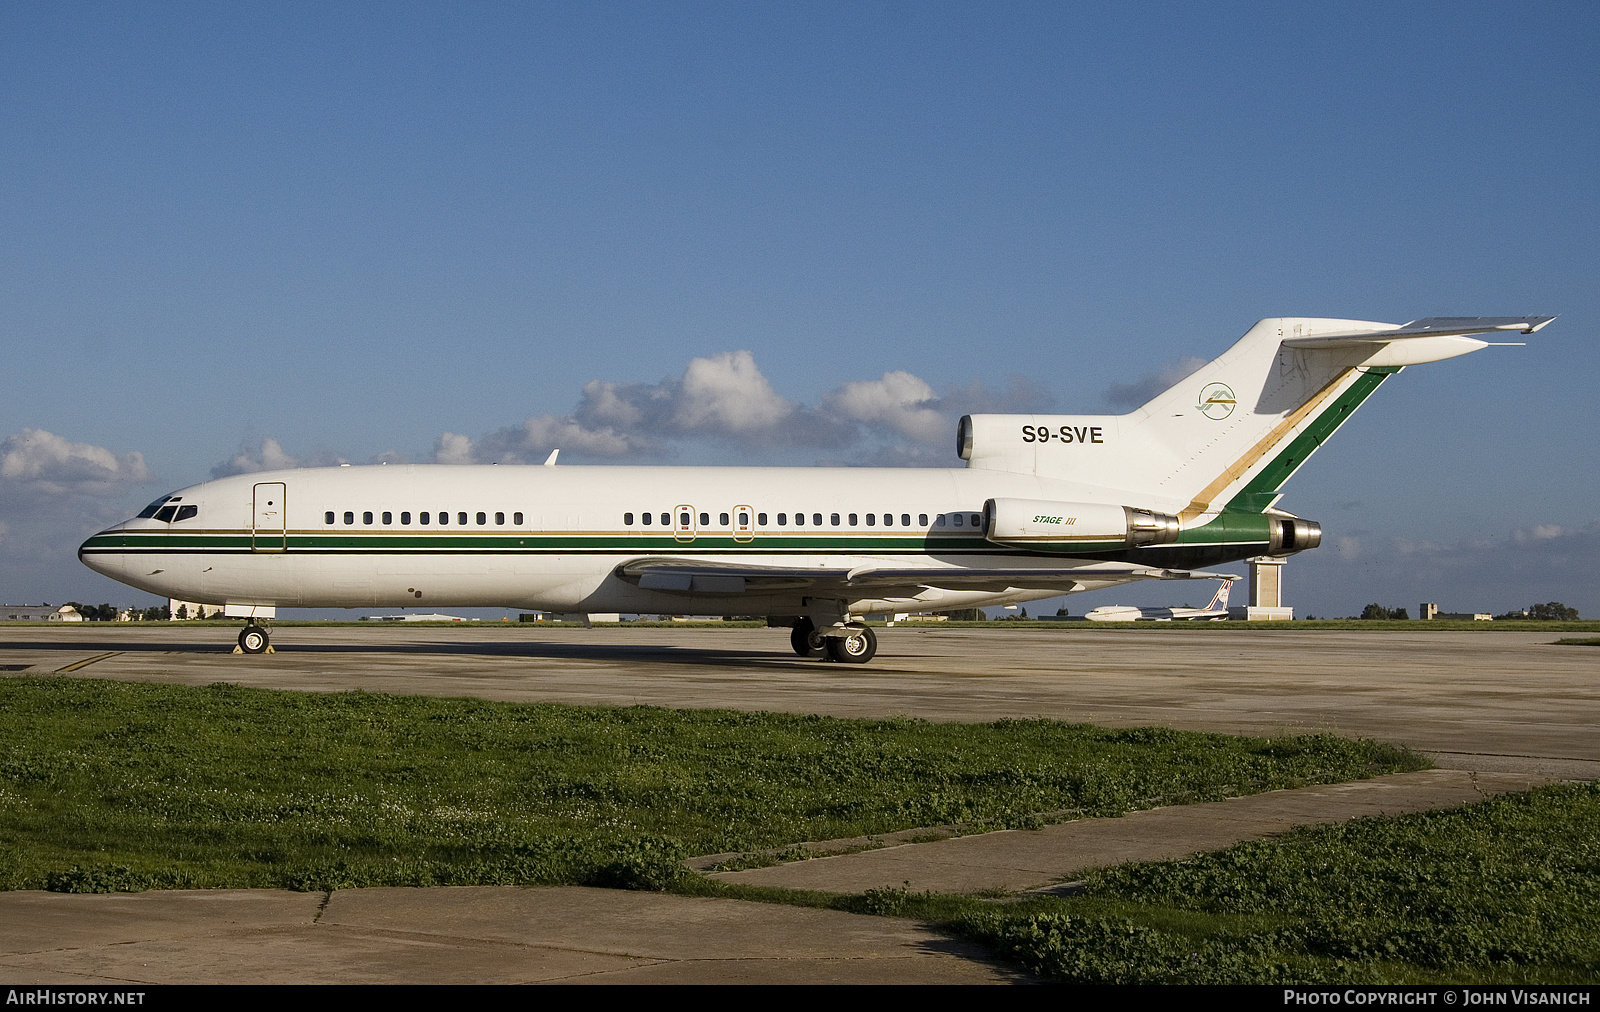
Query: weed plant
{"points": [[1504, 891], [108, 785]]}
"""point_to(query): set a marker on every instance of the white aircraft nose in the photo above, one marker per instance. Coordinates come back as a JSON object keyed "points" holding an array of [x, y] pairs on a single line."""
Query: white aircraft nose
{"points": [[94, 553]]}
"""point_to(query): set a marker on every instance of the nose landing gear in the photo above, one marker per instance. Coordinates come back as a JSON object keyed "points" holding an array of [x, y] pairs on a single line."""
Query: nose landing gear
{"points": [[253, 639]]}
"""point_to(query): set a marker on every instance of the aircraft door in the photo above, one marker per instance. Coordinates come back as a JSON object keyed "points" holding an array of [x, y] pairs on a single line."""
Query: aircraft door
{"points": [[744, 528], [683, 523], [269, 530]]}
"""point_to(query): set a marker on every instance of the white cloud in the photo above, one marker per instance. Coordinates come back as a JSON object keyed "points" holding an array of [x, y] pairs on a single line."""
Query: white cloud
{"points": [[1128, 396], [270, 456], [899, 402], [452, 448], [728, 394], [1539, 532], [724, 400], [37, 462]]}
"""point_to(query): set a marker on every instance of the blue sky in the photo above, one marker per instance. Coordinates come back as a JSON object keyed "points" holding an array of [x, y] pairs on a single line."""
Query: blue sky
{"points": [[238, 234]]}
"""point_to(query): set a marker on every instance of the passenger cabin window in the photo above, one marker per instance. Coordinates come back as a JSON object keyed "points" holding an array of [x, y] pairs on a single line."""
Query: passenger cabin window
{"points": [[366, 518], [684, 520], [388, 518], [834, 519], [327, 517], [444, 518], [761, 519], [647, 518], [816, 520], [349, 518], [922, 520], [461, 518], [627, 519], [422, 518], [722, 519], [516, 518], [482, 519], [938, 521], [666, 520], [705, 519], [405, 519], [499, 519], [869, 520], [955, 518], [783, 519], [853, 520]]}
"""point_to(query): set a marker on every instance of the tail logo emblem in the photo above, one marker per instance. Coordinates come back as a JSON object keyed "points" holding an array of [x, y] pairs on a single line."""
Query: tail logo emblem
{"points": [[1216, 401]]}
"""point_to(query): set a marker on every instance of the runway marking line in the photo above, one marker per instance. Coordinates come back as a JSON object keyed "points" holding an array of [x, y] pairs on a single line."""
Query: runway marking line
{"points": [[75, 665]]}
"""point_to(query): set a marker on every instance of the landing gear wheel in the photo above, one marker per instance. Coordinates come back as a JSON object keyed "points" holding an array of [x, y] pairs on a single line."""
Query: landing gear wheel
{"points": [[804, 639], [856, 649], [253, 640]]}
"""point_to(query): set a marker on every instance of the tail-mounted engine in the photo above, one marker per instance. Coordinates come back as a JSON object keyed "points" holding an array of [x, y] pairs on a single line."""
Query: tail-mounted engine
{"points": [[1287, 535], [1043, 523]]}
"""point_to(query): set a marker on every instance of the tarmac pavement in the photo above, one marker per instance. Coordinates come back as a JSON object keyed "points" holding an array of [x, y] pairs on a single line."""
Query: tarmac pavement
{"points": [[1506, 705]]}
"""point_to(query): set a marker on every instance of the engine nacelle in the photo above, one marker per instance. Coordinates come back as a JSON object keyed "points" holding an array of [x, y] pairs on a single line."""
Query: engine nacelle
{"points": [[1287, 535], [1043, 522]]}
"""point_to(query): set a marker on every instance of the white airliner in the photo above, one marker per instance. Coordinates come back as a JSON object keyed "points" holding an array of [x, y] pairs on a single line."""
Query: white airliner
{"points": [[1214, 611], [1046, 505]]}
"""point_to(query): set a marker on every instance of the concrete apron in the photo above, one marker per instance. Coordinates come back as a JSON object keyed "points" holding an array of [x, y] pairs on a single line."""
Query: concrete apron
{"points": [[466, 935]]}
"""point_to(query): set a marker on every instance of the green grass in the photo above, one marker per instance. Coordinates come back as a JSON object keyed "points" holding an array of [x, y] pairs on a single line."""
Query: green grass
{"points": [[108, 785], [1505, 891]]}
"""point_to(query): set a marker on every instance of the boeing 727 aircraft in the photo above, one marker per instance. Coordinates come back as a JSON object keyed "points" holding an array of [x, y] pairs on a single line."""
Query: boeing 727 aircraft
{"points": [[1046, 505], [1215, 611]]}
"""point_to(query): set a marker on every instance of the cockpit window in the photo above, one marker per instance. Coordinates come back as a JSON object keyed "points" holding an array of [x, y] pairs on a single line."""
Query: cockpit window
{"points": [[165, 513], [187, 512], [150, 510]]}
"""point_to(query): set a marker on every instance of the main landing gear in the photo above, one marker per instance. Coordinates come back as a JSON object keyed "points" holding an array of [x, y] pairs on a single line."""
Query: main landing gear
{"points": [[253, 639], [852, 644]]}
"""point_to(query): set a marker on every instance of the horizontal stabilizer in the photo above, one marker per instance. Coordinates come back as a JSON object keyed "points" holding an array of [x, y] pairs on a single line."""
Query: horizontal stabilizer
{"points": [[1433, 326]]}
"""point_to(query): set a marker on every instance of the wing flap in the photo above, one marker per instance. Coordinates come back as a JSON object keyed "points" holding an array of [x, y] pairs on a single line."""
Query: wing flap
{"points": [[700, 577]]}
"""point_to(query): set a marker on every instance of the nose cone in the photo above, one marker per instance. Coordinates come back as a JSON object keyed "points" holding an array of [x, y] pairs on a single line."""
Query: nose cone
{"points": [[102, 553]]}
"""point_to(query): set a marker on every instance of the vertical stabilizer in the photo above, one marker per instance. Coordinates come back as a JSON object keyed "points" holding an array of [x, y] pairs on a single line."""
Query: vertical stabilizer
{"points": [[1230, 434]]}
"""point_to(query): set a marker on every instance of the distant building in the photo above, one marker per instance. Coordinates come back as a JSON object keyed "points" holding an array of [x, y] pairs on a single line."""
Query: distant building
{"points": [[38, 613], [1266, 593], [191, 609]]}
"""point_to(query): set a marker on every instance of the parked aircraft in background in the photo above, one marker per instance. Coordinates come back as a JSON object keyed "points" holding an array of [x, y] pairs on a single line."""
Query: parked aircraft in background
{"points": [[1215, 611], [1046, 505]]}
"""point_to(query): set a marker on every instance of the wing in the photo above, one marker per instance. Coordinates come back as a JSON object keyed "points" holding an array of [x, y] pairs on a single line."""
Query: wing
{"points": [[695, 576]]}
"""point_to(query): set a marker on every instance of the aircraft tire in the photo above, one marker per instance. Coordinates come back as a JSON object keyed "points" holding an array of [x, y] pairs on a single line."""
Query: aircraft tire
{"points": [[857, 649], [804, 640], [253, 639]]}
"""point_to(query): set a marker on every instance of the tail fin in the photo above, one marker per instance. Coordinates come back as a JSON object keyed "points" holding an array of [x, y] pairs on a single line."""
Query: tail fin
{"points": [[1229, 435], [1220, 601]]}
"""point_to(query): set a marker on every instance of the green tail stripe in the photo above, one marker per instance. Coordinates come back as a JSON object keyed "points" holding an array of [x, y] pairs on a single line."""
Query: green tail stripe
{"points": [[1264, 489]]}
